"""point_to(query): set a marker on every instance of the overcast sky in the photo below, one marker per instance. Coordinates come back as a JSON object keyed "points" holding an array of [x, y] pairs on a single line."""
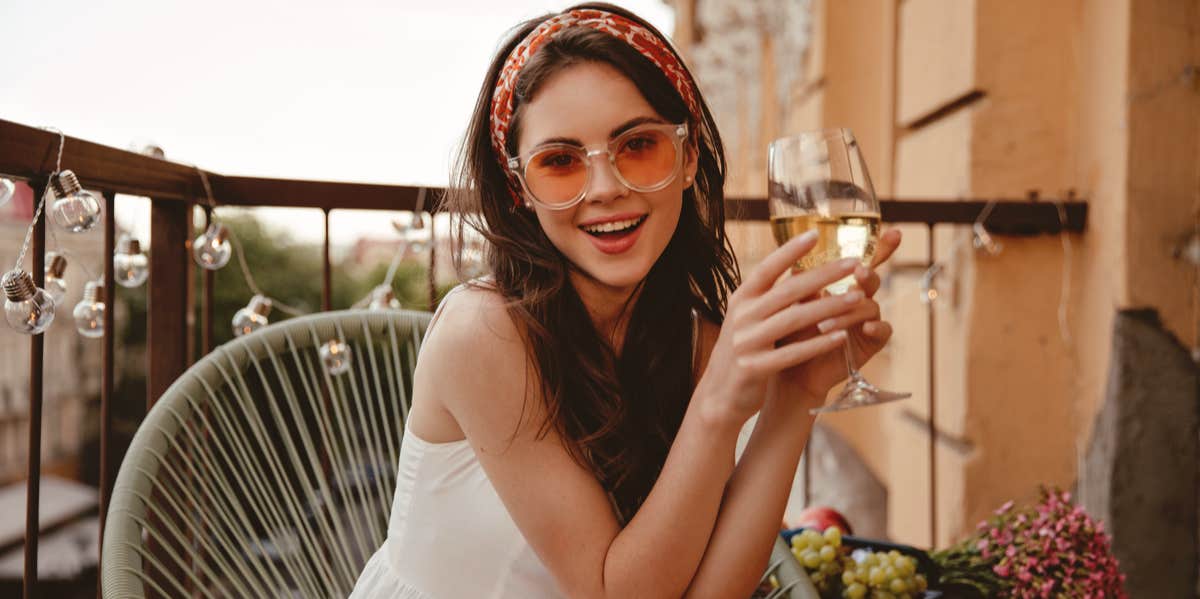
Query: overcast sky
{"points": [[367, 91]]}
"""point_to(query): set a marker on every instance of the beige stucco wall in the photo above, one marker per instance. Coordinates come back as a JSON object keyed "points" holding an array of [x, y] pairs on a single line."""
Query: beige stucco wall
{"points": [[1076, 95]]}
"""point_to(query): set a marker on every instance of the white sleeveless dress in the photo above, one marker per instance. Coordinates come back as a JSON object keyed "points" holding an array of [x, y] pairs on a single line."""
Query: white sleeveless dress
{"points": [[450, 536]]}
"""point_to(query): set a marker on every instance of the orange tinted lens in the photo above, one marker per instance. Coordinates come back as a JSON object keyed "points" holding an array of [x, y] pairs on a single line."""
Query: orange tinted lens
{"points": [[646, 158], [556, 175]]}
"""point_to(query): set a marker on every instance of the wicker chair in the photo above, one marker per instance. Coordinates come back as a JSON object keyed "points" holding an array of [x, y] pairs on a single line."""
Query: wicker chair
{"points": [[259, 473]]}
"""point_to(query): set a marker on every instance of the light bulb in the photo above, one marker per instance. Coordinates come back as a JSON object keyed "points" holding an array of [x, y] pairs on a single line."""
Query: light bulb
{"points": [[982, 240], [130, 266], [383, 298], [335, 356], [74, 209], [8, 189], [56, 265], [212, 248], [89, 312], [29, 310], [414, 230], [253, 317], [929, 290]]}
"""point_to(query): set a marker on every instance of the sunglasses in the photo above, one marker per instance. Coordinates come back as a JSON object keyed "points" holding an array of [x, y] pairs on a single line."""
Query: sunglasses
{"points": [[645, 158]]}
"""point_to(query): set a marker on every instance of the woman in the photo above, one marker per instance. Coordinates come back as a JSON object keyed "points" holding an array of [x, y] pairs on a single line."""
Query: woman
{"points": [[575, 414]]}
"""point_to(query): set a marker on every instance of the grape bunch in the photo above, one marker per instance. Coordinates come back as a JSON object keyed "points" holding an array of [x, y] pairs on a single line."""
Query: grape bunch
{"points": [[821, 555], [871, 575]]}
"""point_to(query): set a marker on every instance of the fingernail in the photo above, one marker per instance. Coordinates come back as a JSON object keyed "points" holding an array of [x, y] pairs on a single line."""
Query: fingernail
{"points": [[838, 336], [848, 262], [870, 328], [825, 325], [808, 236], [852, 297], [861, 272]]}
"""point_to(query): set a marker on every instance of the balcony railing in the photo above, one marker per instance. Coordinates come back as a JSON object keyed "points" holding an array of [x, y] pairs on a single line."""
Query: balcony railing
{"points": [[174, 189]]}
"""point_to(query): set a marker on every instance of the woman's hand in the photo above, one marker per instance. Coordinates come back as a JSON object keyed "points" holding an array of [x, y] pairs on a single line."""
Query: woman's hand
{"points": [[762, 313], [867, 333]]}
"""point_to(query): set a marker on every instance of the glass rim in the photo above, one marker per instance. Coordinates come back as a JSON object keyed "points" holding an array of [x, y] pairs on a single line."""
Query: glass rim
{"points": [[841, 133]]}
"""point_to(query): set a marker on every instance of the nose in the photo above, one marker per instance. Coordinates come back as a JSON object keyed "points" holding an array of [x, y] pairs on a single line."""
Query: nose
{"points": [[604, 186]]}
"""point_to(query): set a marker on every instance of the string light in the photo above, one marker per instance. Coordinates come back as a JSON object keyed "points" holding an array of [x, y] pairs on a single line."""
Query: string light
{"points": [[383, 297], [56, 265], [28, 308], [335, 356], [414, 229], [253, 317], [89, 312], [75, 210], [8, 189], [130, 266], [212, 249]]}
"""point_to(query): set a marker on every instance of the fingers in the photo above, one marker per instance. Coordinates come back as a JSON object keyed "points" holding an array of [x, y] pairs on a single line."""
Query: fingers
{"points": [[799, 286], [867, 280], [792, 354], [886, 246], [794, 318], [778, 261], [879, 331], [862, 312]]}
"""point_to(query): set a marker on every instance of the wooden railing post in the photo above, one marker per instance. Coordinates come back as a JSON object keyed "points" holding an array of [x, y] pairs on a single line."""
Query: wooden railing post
{"points": [[170, 228], [33, 479], [107, 472]]}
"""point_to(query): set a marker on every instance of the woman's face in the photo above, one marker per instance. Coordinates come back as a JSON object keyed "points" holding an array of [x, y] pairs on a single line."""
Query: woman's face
{"points": [[590, 104]]}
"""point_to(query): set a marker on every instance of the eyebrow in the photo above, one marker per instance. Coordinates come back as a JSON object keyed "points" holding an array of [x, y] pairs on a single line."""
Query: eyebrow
{"points": [[619, 129]]}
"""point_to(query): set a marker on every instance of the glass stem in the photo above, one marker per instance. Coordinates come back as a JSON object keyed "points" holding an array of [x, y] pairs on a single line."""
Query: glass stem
{"points": [[846, 351]]}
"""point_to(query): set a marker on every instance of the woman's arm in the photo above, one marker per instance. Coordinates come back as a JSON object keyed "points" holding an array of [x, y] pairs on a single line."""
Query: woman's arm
{"points": [[759, 488], [476, 361]]}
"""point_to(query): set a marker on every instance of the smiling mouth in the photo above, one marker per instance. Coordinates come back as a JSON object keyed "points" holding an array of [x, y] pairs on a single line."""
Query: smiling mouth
{"points": [[614, 229]]}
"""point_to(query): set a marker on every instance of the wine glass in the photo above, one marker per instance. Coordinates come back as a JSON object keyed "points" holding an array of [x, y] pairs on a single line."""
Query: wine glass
{"points": [[819, 181]]}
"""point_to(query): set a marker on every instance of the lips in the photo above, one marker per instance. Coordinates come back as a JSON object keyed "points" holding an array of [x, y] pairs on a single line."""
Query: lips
{"points": [[615, 235]]}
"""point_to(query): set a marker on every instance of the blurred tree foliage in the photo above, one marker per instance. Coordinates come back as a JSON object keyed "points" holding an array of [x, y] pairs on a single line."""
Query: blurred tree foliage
{"points": [[285, 270]]}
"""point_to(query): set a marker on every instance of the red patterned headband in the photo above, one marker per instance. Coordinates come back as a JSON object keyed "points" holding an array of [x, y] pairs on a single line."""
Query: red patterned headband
{"points": [[637, 36]]}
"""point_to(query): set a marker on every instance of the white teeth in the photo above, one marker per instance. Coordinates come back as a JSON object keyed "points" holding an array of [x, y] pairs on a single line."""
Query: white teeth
{"points": [[612, 226]]}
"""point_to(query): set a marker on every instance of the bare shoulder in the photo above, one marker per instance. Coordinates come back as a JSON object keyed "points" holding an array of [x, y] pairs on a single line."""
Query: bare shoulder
{"points": [[473, 366]]}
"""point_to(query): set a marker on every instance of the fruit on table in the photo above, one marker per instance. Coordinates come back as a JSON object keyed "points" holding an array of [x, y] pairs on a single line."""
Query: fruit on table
{"points": [[822, 517]]}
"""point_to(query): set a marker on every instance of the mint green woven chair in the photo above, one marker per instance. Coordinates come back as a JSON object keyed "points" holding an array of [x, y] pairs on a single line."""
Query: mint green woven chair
{"points": [[261, 474]]}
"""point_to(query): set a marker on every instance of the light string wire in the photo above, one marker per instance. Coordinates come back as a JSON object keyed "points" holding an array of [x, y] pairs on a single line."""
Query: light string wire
{"points": [[241, 255], [398, 256], [62, 140], [926, 281]]}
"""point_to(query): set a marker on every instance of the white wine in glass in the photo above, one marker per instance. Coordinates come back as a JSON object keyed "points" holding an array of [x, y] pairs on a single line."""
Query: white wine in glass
{"points": [[818, 181]]}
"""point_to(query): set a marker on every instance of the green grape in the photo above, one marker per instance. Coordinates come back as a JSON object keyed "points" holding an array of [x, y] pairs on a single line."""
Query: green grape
{"points": [[889, 572], [922, 584], [799, 542], [876, 576], [855, 590], [828, 553], [848, 577], [898, 586], [810, 559], [833, 535]]}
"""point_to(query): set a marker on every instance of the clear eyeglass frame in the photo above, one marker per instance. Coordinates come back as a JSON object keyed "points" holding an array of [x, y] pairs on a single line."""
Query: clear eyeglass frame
{"points": [[677, 133]]}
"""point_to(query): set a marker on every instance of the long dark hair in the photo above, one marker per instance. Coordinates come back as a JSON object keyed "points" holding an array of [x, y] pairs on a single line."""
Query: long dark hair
{"points": [[617, 412]]}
